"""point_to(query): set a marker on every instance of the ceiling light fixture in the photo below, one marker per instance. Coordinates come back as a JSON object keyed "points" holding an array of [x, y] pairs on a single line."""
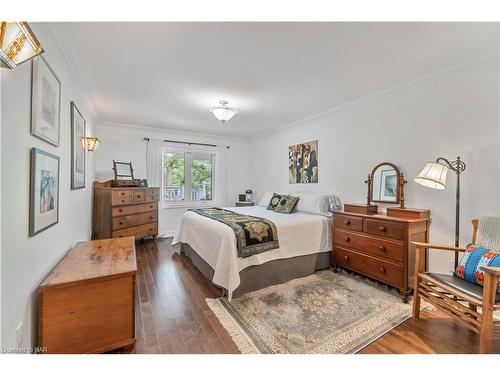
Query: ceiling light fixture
{"points": [[223, 113], [18, 44]]}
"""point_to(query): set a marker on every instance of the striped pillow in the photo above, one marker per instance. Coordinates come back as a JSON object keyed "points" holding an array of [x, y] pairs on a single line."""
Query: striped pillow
{"points": [[474, 258]]}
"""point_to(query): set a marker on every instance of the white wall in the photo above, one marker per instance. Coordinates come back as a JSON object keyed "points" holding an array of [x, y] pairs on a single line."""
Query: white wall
{"points": [[126, 143], [454, 114], [26, 261]]}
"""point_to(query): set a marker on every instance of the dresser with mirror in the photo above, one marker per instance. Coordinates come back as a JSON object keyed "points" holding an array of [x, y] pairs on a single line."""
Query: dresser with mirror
{"points": [[377, 244]]}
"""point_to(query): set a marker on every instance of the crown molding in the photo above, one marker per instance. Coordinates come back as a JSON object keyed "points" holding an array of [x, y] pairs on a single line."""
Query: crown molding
{"points": [[172, 131], [468, 66]]}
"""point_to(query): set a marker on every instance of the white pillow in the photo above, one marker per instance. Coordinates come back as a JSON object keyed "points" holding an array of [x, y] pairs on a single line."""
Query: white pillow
{"points": [[317, 203], [264, 202]]}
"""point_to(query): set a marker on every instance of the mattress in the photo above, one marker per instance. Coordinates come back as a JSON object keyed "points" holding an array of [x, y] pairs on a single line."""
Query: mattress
{"points": [[298, 234]]}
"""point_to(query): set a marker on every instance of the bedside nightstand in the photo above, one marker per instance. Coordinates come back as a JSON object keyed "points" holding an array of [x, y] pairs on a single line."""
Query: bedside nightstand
{"points": [[244, 204]]}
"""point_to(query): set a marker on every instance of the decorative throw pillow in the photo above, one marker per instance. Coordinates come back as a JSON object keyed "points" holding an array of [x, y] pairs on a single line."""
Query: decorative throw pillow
{"points": [[273, 203], [475, 257], [286, 204]]}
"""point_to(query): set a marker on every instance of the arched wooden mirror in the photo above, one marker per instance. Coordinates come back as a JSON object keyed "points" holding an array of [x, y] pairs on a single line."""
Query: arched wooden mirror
{"points": [[386, 185]]}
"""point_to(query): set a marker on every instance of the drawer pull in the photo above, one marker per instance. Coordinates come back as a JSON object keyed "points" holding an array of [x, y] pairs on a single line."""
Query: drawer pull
{"points": [[151, 217], [123, 200], [347, 222], [347, 239], [381, 248], [346, 257], [122, 193], [381, 228], [121, 222], [381, 269], [120, 210]]}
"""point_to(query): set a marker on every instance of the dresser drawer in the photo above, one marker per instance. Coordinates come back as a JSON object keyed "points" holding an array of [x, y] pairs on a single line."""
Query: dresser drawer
{"points": [[135, 209], [119, 197], [372, 267], [385, 228], [139, 196], [152, 195], [122, 222], [371, 245], [348, 222], [139, 231]]}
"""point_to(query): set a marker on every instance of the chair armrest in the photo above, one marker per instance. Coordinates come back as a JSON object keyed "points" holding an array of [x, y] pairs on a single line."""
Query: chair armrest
{"points": [[495, 271], [437, 246]]}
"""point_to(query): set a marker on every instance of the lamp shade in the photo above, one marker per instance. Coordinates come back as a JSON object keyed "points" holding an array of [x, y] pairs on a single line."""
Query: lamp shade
{"points": [[90, 143], [433, 175], [18, 44], [223, 113]]}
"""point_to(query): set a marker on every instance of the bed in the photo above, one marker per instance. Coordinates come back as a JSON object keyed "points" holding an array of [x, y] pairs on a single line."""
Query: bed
{"points": [[304, 247]]}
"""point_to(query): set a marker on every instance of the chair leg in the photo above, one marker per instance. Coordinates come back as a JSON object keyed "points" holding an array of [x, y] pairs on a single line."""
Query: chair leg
{"points": [[416, 306], [486, 333], [419, 267]]}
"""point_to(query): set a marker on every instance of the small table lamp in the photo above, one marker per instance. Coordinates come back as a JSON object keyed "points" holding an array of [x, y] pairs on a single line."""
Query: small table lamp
{"points": [[434, 176]]}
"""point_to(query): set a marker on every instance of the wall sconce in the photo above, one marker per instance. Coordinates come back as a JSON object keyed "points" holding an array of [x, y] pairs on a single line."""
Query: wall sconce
{"points": [[18, 44], [90, 143]]}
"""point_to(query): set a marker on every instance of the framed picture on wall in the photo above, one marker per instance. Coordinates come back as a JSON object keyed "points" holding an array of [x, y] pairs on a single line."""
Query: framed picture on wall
{"points": [[45, 101], [78, 134], [44, 191], [303, 163]]}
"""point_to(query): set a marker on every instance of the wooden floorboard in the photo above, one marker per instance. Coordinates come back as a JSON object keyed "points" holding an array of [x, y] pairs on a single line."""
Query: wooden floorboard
{"points": [[172, 316]]}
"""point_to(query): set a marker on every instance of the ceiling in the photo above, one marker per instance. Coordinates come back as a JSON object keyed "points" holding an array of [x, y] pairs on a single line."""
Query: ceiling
{"points": [[169, 74]]}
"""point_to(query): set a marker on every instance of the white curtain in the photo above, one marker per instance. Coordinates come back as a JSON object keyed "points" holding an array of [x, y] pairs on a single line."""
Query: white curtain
{"points": [[154, 160]]}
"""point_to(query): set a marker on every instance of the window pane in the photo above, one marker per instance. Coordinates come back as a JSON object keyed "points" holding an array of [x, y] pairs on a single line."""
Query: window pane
{"points": [[173, 175], [201, 177]]}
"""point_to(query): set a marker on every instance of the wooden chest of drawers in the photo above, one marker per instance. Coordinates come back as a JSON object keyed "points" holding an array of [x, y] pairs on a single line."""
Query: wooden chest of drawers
{"points": [[378, 246], [87, 302], [123, 212]]}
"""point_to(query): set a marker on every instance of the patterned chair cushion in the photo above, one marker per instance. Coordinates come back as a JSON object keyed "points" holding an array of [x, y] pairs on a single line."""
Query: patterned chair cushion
{"points": [[475, 257]]}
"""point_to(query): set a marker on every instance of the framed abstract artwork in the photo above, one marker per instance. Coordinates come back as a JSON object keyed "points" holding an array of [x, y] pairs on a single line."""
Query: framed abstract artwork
{"points": [[44, 191], [45, 101], [78, 134], [303, 163]]}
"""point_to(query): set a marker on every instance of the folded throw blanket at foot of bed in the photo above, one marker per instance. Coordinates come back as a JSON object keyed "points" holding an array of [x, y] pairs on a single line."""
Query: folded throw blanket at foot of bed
{"points": [[253, 234]]}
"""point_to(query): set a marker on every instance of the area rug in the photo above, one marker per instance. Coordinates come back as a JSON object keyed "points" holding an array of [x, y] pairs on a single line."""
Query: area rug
{"points": [[322, 313]]}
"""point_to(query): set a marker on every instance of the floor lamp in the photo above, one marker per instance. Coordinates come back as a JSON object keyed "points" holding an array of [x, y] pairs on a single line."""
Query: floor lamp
{"points": [[434, 176]]}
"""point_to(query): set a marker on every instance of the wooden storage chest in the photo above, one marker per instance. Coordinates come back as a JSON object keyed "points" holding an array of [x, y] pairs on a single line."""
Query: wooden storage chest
{"points": [[87, 302]]}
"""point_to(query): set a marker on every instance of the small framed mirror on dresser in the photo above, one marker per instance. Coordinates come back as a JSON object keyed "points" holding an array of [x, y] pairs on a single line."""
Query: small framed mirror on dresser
{"points": [[386, 185]]}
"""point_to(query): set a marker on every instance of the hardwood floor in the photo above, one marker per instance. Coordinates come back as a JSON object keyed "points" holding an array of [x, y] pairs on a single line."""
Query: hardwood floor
{"points": [[172, 316]]}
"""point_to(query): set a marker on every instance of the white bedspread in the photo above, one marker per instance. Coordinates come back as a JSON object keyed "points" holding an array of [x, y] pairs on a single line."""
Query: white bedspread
{"points": [[298, 234]]}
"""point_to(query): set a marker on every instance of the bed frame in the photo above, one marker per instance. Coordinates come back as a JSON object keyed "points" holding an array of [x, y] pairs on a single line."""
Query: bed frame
{"points": [[275, 272]]}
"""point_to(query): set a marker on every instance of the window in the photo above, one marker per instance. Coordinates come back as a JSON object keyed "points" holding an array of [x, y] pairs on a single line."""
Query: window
{"points": [[188, 176]]}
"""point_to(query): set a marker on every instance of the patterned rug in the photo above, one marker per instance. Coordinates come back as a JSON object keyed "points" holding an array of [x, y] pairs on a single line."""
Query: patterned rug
{"points": [[319, 314]]}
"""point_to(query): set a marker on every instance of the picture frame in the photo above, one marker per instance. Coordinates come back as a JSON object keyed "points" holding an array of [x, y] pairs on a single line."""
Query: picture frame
{"points": [[78, 134], [44, 191], [45, 102], [303, 163], [388, 185]]}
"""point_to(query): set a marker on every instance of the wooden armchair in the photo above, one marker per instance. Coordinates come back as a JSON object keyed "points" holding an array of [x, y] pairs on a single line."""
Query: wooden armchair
{"points": [[471, 304]]}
